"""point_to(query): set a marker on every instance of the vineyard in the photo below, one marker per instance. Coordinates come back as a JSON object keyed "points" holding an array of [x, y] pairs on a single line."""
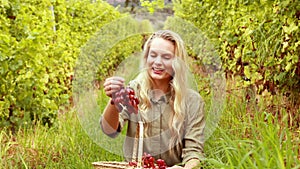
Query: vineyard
{"points": [[55, 55]]}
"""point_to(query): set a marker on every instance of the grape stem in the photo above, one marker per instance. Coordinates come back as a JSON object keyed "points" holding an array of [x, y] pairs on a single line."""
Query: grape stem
{"points": [[123, 107]]}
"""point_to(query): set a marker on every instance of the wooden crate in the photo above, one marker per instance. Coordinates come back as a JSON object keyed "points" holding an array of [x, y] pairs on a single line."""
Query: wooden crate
{"points": [[137, 153], [111, 165]]}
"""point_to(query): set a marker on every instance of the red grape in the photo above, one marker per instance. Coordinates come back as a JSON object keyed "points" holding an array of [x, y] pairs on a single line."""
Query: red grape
{"points": [[133, 163], [149, 162], [125, 97]]}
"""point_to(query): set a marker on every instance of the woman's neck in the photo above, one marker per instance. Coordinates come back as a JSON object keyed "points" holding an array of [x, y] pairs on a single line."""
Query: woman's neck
{"points": [[162, 85]]}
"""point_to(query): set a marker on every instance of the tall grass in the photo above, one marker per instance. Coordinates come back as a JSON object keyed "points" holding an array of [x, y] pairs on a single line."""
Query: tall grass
{"points": [[249, 137], [245, 138], [65, 145]]}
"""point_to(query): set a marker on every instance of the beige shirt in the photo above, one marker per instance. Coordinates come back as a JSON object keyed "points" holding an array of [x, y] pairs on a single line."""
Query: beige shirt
{"points": [[157, 135]]}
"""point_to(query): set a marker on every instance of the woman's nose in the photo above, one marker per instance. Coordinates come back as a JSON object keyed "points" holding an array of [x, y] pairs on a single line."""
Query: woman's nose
{"points": [[158, 60]]}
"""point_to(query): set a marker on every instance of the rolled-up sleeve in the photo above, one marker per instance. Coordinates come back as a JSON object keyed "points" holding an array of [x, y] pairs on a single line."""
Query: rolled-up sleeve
{"points": [[193, 139], [123, 116]]}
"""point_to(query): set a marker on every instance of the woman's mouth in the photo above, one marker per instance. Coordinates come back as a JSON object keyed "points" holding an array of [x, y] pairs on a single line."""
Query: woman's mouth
{"points": [[158, 70]]}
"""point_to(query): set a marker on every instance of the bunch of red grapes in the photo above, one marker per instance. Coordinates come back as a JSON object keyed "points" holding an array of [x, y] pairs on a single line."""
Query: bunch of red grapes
{"points": [[150, 162], [125, 97]]}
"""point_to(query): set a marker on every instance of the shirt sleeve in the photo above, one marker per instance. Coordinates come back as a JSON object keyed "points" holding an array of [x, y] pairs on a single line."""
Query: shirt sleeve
{"points": [[112, 135], [193, 141], [123, 117]]}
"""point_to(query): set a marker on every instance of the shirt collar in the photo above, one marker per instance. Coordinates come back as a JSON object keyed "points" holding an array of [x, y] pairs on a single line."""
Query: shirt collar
{"points": [[163, 99]]}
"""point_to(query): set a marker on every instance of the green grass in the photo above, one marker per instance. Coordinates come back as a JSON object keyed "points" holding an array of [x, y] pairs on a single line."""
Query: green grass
{"points": [[243, 139], [63, 146], [256, 144], [252, 138]]}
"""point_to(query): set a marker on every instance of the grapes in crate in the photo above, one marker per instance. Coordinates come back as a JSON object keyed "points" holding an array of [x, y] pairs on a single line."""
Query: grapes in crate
{"points": [[149, 162], [125, 99]]}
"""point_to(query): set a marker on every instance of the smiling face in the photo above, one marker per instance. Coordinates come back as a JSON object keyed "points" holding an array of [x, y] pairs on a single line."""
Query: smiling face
{"points": [[160, 59]]}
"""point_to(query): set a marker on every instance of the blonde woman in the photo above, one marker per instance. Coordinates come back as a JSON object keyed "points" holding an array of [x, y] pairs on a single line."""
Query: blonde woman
{"points": [[173, 114]]}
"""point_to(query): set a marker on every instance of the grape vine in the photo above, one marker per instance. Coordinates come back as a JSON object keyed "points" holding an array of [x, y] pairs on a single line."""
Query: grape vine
{"points": [[37, 60]]}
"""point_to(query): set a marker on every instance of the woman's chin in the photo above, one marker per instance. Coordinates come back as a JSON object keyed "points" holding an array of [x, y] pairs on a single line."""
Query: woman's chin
{"points": [[155, 76]]}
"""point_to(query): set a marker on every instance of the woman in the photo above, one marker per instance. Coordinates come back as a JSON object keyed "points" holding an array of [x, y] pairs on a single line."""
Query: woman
{"points": [[173, 114]]}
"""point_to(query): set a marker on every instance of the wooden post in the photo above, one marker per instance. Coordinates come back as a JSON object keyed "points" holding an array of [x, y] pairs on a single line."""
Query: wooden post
{"points": [[140, 149], [137, 152]]}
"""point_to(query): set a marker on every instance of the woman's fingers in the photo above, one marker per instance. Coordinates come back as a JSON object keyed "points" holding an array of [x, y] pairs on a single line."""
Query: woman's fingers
{"points": [[110, 89], [114, 81], [113, 84], [118, 79]]}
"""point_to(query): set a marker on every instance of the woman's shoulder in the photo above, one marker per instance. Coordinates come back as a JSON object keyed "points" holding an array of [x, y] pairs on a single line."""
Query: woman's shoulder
{"points": [[194, 104], [191, 93]]}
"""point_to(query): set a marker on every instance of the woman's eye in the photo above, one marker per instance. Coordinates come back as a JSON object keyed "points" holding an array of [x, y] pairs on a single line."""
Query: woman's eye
{"points": [[167, 57], [152, 55]]}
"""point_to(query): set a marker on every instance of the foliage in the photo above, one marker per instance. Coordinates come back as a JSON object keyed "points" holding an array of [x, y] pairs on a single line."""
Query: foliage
{"points": [[152, 5], [105, 51], [258, 42], [40, 41]]}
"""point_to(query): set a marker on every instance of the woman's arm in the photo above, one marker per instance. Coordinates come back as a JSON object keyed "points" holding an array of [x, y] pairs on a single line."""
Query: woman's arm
{"points": [[194, 132], [110, 118]]}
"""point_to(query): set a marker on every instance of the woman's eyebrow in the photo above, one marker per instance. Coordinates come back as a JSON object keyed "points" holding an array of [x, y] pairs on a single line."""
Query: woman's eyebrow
{"points": [[163, 52], [152, 51]]}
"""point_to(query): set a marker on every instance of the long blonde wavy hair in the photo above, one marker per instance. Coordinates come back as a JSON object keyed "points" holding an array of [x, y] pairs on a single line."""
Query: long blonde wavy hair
{"points": [[178, 84]]}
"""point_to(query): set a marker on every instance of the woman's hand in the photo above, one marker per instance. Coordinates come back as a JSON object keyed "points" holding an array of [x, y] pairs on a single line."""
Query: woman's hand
{"points": [[113, 84], [193, 163]]}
